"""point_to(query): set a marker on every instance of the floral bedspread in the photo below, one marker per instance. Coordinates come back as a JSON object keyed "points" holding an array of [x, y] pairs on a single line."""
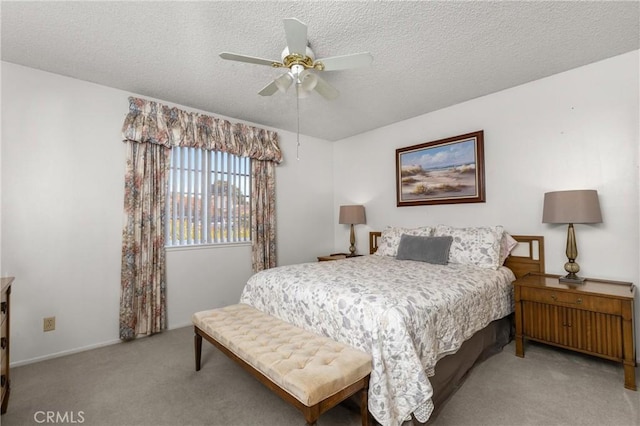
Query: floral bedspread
{"points": [[406, 314]]}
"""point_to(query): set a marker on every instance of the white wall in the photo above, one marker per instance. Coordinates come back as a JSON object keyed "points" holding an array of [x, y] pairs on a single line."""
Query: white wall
{"points": [[575, 130], [62, 166], [62, 196]]}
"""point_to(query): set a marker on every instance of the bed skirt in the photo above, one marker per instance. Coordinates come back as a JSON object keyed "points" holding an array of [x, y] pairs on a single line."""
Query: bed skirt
{"points": [[452, 370]]}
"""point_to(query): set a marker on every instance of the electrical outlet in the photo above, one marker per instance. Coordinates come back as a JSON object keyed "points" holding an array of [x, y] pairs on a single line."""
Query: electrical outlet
{"points": [[49, 324]]}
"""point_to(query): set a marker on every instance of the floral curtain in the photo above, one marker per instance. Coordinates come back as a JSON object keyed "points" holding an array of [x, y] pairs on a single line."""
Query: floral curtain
{"points": [[142, 296], [263, 217], [150, 130], [154, 122]]}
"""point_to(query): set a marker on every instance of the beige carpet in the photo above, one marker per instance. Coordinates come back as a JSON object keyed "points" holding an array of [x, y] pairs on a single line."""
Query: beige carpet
{"points": [[152, 381]]}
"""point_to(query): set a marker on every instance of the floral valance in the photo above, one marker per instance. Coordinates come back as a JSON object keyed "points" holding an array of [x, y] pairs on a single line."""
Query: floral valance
{"points": [[154, 122]]}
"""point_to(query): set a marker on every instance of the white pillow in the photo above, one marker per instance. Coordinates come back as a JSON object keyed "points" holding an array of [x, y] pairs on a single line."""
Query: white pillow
{"points": [[507, 244], [478, 246], [390, 238]]}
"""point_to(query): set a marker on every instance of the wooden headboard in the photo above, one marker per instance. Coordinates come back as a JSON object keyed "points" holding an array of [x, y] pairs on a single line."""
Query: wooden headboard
{"points": [[527, 256], [374, 236]]}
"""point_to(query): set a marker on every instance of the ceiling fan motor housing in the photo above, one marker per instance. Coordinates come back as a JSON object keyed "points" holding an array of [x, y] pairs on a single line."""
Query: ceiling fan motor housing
{"points": [[291, 59]]}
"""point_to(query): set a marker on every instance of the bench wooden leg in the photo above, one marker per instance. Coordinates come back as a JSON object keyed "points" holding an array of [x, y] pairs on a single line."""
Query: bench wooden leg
{"points": [[197, 342], [364, 404], [311, 414]]}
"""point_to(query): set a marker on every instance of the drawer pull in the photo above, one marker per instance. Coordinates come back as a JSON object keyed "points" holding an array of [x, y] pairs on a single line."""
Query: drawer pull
{"points": [[3, 343], [3, 307], [578, 301]]}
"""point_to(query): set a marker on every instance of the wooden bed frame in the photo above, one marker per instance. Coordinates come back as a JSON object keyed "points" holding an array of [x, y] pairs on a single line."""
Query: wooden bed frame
{"points": [[527, 256]]}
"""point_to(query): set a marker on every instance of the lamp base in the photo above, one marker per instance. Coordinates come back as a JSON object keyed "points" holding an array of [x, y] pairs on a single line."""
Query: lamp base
{"points": [[352, 240], [571, 279]]}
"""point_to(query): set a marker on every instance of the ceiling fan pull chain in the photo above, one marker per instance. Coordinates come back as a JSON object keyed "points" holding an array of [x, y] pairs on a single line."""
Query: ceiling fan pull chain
{"points": [[298, 122]]}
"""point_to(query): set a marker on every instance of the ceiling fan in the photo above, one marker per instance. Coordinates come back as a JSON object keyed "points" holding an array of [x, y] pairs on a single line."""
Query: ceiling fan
{"points": [[298, 57]]}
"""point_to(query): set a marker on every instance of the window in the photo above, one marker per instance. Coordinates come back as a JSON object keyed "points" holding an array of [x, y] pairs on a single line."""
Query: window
{"points": [[208, 198]]}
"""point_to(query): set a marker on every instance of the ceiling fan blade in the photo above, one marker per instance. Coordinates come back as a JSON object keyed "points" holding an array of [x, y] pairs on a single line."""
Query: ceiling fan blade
{"points": [[296, 33], [354, 60], [269, 89], [325, 89], [249, 59]]}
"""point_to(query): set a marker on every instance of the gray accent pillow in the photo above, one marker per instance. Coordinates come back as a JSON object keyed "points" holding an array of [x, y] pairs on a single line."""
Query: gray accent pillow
{"points": [[425, 249]]}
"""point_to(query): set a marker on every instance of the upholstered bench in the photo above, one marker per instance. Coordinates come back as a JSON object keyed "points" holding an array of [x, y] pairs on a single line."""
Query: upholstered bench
{"points": [[311, 372]]}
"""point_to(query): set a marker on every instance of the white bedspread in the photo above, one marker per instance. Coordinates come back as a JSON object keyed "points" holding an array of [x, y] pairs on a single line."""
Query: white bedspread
{"points": [[406, 314]]}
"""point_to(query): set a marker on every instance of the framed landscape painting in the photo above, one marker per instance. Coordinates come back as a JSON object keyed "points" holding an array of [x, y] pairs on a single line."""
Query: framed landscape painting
{"points": [[445, 171]]}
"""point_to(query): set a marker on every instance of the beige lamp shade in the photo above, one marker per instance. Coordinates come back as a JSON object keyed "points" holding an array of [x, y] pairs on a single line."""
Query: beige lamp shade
{"points": [[352, 215], [580, 206]]}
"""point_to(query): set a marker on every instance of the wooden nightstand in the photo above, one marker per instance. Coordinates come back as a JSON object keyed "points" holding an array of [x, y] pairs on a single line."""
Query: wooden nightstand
{"points": [[336, 256], [595, 318]]}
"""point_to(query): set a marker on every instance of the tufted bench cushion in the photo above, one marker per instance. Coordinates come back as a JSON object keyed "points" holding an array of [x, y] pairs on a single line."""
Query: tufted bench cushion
{"points": [[311, 368]]}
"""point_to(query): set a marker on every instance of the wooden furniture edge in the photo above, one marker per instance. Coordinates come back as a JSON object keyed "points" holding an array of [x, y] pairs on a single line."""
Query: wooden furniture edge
{"points": [[5, 286], [312, 413], [629, 350], [629, 284]]}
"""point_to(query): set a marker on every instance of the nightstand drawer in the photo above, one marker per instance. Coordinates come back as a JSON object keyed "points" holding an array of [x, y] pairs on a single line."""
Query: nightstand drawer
{"points": [[575, 300]]}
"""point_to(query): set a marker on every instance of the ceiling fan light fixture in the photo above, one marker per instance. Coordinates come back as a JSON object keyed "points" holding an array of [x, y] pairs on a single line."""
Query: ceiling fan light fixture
{"points": [[284, 81], [308, 81], [297, 70]]}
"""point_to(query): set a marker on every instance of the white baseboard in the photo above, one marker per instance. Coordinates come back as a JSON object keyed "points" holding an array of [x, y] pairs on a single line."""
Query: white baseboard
{"points": [[63, 353], [84, 348], [186, 324]]}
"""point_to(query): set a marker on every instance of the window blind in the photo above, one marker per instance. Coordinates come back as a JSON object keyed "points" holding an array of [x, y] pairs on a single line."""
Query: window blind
{"points": [[208, 198]]}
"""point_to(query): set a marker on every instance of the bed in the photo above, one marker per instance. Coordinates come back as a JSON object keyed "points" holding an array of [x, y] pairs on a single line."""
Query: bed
{"points": [[424, 323]]}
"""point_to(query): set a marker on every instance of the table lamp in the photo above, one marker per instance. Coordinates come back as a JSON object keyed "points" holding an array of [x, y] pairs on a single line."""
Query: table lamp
{"points": [[580, 206], [352, 215]]}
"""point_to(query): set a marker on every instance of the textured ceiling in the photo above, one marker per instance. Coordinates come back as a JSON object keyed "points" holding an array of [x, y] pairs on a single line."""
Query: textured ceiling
{"points": [[427, 55]]}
